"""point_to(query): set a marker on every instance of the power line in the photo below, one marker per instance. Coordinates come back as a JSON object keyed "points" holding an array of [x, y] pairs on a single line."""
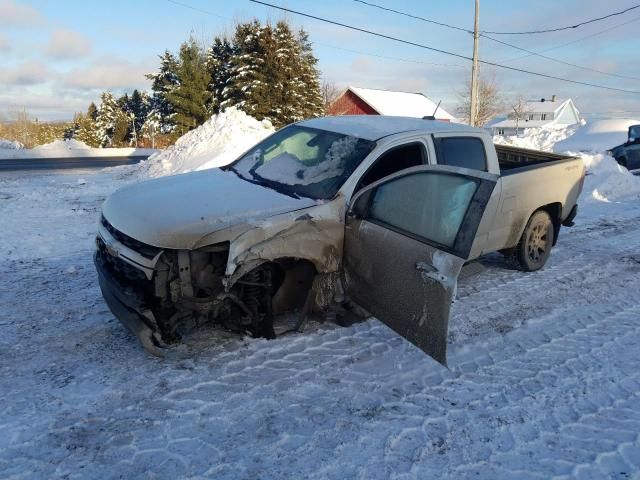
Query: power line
{"points": [[530, 52], [197, 9], [408, 60], [557, 60], [569, 27], [428, 20], [445, 52], [562, 45]]}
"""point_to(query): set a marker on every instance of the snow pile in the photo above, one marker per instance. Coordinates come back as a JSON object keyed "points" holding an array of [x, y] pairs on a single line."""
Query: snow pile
{"points": [[597, 136], [607, 180], [217, 142], [10, 144], [62, 146], [537, 138]]}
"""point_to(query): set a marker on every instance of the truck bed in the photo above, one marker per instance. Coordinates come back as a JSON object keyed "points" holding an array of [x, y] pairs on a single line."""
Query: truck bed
{"points": [[513, 159]]}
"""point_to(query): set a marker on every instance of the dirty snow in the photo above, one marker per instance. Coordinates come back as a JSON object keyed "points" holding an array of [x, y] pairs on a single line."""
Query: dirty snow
{"points": [[219, 141], [10, 144], [544, 379]]}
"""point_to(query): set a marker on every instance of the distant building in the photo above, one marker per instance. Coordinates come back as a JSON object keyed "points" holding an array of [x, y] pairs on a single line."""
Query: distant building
{"points": [[368, 101], [545, 113]]}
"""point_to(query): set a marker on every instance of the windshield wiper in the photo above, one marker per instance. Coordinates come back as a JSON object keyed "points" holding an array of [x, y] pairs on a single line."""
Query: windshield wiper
{"points": [[270, 184]]}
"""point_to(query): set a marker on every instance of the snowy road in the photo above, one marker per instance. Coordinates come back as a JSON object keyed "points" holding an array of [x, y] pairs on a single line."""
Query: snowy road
{"points": [[545, 377], [68, 162]]}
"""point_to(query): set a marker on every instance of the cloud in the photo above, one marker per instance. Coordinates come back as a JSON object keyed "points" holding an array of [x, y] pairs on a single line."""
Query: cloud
{"points": [[44, 105], [4, 43], [26, 73], [67, 44], [16, 15], [108, 73]]}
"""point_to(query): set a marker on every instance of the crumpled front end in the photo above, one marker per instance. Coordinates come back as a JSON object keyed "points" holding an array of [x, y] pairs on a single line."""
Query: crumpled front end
{"points": [[159, 293]]}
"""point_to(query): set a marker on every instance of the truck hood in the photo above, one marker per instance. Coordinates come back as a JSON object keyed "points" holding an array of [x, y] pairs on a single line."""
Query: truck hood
{"points": [[177, 211]]}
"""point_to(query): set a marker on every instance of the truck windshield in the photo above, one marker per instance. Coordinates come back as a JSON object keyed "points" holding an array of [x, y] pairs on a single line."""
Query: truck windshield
{"points": [[302, 161]]}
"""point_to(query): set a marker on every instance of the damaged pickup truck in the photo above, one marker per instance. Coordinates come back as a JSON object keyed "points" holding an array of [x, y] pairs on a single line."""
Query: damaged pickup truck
{"points": [[370, 215]]}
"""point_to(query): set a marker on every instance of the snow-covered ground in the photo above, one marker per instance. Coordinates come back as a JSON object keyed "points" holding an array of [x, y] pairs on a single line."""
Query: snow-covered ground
{"points": [[9, 145], [544, 379], [66, 149]]}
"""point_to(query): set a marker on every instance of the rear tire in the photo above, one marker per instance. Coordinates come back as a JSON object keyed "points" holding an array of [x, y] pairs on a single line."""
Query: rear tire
{"points": [[535, 244]]}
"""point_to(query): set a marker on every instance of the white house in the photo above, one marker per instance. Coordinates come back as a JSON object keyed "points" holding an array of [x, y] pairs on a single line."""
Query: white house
{"points": [[544, 113]]}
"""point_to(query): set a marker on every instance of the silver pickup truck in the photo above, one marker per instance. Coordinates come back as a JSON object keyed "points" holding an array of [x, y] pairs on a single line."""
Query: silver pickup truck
{"points": [[366, 215]]}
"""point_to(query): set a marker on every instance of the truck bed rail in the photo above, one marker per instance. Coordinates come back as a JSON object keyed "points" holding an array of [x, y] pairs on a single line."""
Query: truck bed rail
{"points": [[515, 159]]}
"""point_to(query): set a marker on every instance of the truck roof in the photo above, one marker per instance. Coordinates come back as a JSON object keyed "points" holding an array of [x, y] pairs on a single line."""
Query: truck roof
{"points": [[375, 127]]}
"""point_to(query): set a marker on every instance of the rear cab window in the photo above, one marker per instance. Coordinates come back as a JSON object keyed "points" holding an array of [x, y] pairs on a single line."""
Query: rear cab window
{"points": [[466, 152], [396, 159]]}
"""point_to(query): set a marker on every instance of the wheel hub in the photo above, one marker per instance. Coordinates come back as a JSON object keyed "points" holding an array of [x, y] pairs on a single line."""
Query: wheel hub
{"points": [[537, 244]]}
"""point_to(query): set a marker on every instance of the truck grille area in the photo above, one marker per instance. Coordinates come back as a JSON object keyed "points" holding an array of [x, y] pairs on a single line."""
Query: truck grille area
{"points": [[128, 276], [142, 248]]}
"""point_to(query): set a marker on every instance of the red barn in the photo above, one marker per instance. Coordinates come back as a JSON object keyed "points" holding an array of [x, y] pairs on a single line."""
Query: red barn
{"points": [[368, 101]]}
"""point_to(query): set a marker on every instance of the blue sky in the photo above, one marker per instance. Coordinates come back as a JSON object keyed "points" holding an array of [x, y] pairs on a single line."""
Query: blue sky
{"points": [[57, 56]]}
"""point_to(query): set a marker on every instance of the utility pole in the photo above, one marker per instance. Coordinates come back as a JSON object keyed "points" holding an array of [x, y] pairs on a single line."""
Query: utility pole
{"points": [[473, 106]]}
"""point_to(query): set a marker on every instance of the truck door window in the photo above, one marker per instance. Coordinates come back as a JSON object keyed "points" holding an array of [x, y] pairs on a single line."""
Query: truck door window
{"points": [[467, 152], [424, 205], [393, 161]]}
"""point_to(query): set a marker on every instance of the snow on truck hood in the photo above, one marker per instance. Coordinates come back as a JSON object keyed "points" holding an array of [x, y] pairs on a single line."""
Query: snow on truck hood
{"points": [[177, 211]]}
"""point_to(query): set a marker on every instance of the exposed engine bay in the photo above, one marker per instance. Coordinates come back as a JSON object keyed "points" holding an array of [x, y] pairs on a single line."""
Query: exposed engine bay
{"points": [[187, 289]]}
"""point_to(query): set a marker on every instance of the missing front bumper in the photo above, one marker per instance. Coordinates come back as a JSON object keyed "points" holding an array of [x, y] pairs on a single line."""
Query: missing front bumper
{"points": [[129, 309]]}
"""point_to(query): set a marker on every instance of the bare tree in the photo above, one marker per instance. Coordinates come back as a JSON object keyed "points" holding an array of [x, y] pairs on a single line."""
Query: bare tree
{"points": [[519, 110], [489, 100], [329, 93]]}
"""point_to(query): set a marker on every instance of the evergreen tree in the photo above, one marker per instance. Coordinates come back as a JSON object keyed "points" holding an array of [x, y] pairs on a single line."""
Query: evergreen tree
{"points": [[85, 130], [108, 115], [123, 103], [218, 65], [164, 82], [92, 111], [139, 107], [189, 99], [273, 74], [151, 127], [247, 86], [312, 104]]}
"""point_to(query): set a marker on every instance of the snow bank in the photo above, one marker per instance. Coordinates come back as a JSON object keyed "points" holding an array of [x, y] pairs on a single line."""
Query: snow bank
{"points": [[62, 146], [597, 136], [217, 142], [537, 138], [606, 180], [10, 144]]}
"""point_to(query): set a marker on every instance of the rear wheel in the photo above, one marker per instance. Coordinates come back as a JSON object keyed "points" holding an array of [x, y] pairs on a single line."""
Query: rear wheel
{"points": [[534, 247]]}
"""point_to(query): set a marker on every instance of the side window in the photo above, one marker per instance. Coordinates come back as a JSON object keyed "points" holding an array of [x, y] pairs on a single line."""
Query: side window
{"points": [[428, 205], [467, 152], [393, 161]]}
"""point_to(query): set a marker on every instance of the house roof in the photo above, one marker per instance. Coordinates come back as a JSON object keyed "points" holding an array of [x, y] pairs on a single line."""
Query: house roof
{"points": [[546, 106], [405, 104]]}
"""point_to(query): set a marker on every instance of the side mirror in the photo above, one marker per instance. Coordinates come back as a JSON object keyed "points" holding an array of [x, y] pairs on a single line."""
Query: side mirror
{"points": [[360, 205]]}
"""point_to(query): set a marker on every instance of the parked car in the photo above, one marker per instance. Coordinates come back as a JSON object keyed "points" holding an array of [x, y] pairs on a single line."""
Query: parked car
{"points": [[628, 154], [375, 214]]}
